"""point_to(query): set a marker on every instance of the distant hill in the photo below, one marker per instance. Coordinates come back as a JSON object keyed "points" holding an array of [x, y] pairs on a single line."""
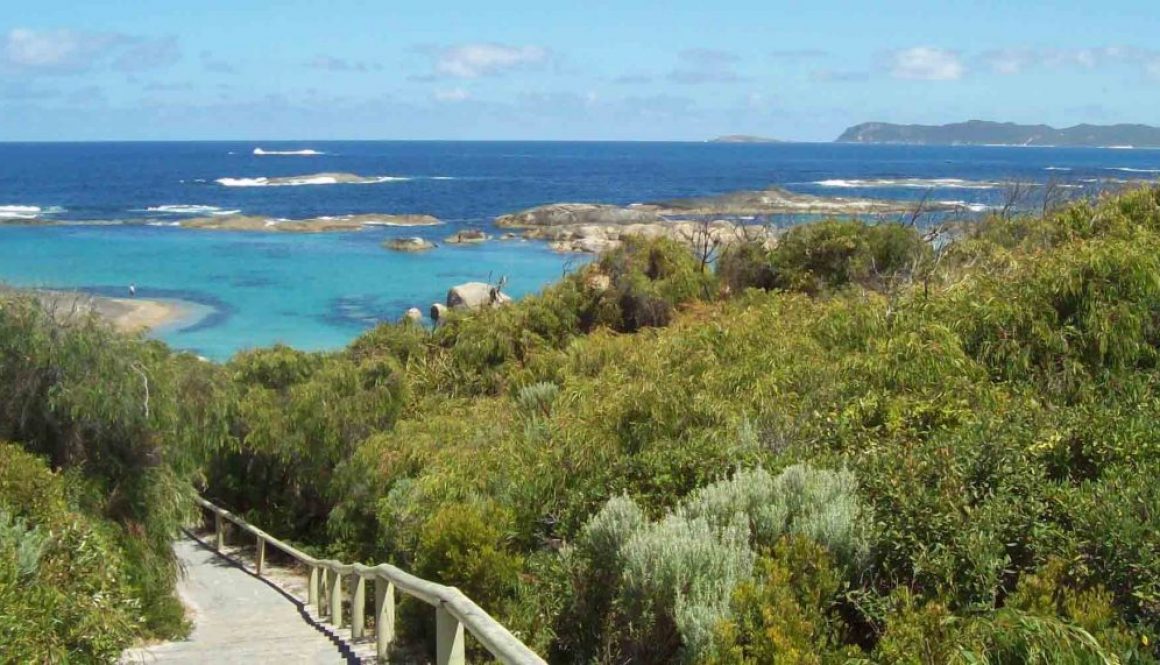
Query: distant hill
{"points": [[743, 138], [980, 132]]}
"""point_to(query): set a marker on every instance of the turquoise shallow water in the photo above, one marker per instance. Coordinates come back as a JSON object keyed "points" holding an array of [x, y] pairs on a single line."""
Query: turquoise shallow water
{"points": [[309, 291], [320, 291]]}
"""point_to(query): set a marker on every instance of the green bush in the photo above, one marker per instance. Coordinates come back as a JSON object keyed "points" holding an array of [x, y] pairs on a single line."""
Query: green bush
{"points": [[64, 592], [664, 588]]}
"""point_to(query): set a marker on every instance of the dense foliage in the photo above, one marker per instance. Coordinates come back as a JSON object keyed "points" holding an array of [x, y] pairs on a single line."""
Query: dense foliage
{"points": [[85, 559], [853, 446]]}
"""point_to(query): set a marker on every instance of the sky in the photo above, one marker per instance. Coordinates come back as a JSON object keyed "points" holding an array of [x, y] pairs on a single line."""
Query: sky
{"points": [[562, 70]]}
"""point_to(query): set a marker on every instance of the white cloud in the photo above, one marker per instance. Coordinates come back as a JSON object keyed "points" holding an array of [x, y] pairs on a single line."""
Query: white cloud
{"points": [[54, 51], [66, 51], [468, 61], [452, 95], [926, 63]]}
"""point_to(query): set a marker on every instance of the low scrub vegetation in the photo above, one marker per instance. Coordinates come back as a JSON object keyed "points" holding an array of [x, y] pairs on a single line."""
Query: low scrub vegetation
{"points": [[853, 446]]}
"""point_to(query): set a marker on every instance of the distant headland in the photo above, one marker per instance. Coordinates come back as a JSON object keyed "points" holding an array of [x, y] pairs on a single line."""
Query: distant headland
{"points": [[981, 132]]}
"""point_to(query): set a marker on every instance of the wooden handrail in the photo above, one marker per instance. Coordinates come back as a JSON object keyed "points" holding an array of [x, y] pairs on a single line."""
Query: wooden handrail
{"points": [[453, 610]]}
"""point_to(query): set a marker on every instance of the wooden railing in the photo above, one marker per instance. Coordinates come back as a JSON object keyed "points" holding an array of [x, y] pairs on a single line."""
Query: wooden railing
{"points": [[453, 610]]}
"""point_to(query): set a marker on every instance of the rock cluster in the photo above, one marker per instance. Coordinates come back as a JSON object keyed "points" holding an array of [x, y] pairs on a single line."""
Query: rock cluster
{"points": [[310, 225], [413, 244], [470, 296]]}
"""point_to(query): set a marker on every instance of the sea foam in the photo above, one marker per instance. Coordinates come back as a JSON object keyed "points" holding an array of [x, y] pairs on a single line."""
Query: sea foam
{"points": [[288, 153], [296, 181], [913, 183], [191, 209], [26, 211], [1128, 169]]}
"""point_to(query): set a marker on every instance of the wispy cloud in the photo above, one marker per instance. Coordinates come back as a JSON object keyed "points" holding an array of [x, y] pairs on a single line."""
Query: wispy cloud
{"points": [[53, 51], [799, 54], [475, 60], [633, 79], [699, 65], [925, 63], [839, 76], [146, 54], [1012, 61], [64, 51], [332, 64], [452, 95], [215, 65]]}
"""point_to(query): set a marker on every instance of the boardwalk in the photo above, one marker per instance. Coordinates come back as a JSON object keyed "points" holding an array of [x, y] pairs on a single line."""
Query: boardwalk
{"points": [[239, 618]]}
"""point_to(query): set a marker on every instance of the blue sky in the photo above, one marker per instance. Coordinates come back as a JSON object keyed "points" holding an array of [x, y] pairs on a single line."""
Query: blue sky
{"points": [[507, 69]]}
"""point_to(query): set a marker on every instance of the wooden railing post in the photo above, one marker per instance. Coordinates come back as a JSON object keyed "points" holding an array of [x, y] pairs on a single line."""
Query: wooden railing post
{"points": [[261, 555], [384, 616], [312, 596], [449, 647], [219, 538], [358, 603], [336, 599]]}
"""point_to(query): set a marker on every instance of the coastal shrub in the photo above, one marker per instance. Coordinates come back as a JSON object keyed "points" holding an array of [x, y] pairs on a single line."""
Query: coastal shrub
{"points": [[648, 279], [678, 574], [464, 546], [786, 613], [656, 591], [747, 265], [816, 503], [128, 420], [300, 416], [64, 592], [822, 256]]}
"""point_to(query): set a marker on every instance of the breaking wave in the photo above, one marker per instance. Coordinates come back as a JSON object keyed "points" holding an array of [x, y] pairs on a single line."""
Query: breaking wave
{"points": [[190, 210], [914, 183], [320, 179], [1128, 169], [287, 153], [27, 212], [966, 205]]}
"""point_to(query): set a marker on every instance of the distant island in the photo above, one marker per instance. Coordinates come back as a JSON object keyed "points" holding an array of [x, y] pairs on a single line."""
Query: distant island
{"points": [[743, 138], [980, 132]]}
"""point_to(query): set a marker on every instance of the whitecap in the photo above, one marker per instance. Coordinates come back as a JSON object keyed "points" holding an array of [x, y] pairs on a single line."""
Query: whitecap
{"points": [[27, 211], [300, 153], [1057, 168], [181, 209], [913, 183], [1128, 169], [973, 207], [319, 179]]}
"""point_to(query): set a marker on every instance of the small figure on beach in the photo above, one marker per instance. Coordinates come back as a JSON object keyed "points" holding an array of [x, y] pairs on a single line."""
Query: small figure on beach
{"points": [[132, 290]]}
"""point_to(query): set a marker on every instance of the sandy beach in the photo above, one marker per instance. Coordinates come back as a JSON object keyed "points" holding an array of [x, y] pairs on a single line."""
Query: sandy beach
{"points": [[133, 314], [125, 314]]}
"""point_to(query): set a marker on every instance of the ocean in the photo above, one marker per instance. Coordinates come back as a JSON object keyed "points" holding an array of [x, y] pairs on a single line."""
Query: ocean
{"points": [[116, 205]]}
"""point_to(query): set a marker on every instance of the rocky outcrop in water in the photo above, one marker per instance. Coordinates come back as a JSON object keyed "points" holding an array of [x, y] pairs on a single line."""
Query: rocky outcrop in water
{"points": [[467, 237], [310, 225], [476, 295], [415, 244], [593, 228]]}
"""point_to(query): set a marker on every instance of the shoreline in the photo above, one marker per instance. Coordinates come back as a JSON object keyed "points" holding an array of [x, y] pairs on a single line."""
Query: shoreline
{"points": [[128, 315]]}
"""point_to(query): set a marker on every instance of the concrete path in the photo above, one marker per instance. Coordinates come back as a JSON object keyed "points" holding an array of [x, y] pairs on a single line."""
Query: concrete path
{"points": [[239, 618]]}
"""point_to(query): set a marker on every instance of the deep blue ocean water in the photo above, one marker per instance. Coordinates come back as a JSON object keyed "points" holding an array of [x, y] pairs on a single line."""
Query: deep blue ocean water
{"points": [[319, 291]]}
